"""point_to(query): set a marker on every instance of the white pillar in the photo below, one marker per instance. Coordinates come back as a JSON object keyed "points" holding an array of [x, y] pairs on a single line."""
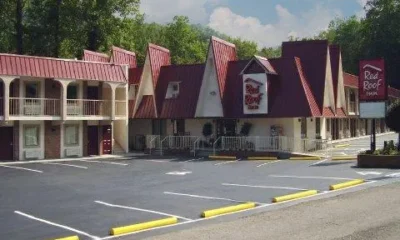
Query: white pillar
{"points": [[6, 98], [113, 91]]}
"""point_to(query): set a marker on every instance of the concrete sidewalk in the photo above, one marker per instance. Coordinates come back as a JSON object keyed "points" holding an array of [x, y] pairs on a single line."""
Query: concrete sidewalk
{"points": [[373, 213]]}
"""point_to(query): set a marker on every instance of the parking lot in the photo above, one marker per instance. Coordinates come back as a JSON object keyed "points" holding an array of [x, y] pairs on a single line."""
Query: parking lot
{"points": [[87, 198]]}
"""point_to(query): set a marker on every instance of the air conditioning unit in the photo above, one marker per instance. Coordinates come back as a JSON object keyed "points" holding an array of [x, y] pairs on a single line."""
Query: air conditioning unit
{"points": [[72, 152], [32, 154]]}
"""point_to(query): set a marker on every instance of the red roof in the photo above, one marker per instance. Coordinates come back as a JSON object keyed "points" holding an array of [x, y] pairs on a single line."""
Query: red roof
{"points": [[135, 75], [224, 52], [146, 108], [159, 57], [91, 56], [334, 51], [259, 65], [314, 56], [190, 79], [327, 112], [393, 92], [340, 112], [266, 64], [283, 101], [350, 80], [41, 67], [122, 56]]}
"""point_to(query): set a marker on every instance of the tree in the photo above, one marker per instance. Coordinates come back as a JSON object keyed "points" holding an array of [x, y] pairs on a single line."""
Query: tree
{"points": [[270, 52], [245, 49], [393, 119]]}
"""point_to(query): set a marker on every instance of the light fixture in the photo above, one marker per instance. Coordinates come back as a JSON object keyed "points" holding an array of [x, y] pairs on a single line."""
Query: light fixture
{"points": [[213, 93]]}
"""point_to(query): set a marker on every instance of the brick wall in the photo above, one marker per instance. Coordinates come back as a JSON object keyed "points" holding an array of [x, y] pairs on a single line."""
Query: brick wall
{"points": [[16, 140], [52, 140]]}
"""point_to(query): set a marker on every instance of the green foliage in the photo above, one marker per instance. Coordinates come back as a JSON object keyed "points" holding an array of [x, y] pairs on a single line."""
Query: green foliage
{"points": [[207, 129], [393, 117]]}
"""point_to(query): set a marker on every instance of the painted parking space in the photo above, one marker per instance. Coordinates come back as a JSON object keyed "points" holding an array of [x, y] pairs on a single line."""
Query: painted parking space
{"points": [[89, 201]]}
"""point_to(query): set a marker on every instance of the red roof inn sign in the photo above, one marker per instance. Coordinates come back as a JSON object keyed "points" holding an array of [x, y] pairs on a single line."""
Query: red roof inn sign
{"points": [[255, 99], [372, 84], [372, 89]]}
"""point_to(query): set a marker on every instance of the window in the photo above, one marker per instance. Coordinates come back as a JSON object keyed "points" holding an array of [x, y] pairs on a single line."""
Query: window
{"points": [[173, 90], [328, 125], [175, 87], [31, 135], [72, 92], [31, 90], [71, 135], [318, 126]]}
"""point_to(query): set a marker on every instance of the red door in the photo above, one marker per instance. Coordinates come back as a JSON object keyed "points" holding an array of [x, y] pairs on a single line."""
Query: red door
{"points": [[107, 140], [6, 143], [93, 140]]}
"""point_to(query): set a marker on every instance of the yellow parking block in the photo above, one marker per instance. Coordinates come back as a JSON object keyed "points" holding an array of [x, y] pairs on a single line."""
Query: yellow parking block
{"points": [[341, 145], [339, 158], [261, 158], [293, 196], [143, 226], [346, 184], [68, 238], [306, 158], [215, 157], [230, 209]]}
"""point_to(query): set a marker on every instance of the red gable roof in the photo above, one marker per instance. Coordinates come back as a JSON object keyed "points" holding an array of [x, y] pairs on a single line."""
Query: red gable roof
{"points": [[340, 112], [327, 112], [91, 56], [146, 108], [135, 74], [258, 65], [334, 51], [190, 79], [350, 80], [159, 57], [41, 67], [283, 101], [122, 56], [313, 55], [223, 53]]}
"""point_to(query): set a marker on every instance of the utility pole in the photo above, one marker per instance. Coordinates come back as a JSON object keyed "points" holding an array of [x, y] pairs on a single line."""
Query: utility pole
{"points": [[373, 136]]}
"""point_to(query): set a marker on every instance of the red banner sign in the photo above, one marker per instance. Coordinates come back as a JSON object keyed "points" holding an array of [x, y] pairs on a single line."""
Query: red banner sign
{"points": [[372, 84]]}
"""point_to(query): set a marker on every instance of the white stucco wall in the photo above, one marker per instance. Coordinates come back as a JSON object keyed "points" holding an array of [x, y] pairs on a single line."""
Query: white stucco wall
{"points": [[195, 126], [39, 148], [262, 126], [341, 100], [209, 102], [146, 83], [79, 147], [329, 99], [121, 133]]}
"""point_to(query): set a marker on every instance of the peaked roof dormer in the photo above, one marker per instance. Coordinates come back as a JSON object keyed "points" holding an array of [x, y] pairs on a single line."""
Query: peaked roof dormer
{"points": [[122, 56], [91, 56], [316, 64], [258, 64], [145, 104], [212, 90], [337, 79]]}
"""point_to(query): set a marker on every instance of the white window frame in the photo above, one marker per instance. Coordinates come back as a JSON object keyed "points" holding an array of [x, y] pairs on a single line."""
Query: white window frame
{"points": [[37, 134], [76, 126]]}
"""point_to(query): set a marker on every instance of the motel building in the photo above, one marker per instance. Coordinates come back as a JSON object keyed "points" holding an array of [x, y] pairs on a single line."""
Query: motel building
{"points": [[300, 102], [59, 108]]}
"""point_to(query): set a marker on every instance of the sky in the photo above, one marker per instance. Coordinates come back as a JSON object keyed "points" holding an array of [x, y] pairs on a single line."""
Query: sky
{"points": [[267, 22]]}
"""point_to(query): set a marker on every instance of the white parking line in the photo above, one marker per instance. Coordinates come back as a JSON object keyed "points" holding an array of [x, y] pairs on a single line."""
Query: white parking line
{"points": [[223, 163], [67, 165], [195, 159], [112, 163], [160, 161], [310, 177], [258, 186], [205, 197], [22, 168], [58, 225], [319, 162], [268, 163], [141, 209]]}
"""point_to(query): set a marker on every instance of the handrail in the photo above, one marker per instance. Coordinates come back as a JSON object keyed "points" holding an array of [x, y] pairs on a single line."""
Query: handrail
{"points": [[161, 145], [215, 142], [194, 145]]}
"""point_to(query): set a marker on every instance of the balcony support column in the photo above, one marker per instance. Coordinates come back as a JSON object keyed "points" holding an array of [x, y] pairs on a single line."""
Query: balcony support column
{"points": [[63, 103], [6, 95], [113, 93]]}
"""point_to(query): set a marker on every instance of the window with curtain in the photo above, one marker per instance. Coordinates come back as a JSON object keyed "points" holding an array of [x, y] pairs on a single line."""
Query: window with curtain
{"points": [[31, 136], [71, 135]]}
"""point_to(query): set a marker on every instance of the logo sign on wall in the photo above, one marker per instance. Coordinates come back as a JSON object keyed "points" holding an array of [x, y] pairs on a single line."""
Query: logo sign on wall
{"points": [[372, 84], [255, 94]]}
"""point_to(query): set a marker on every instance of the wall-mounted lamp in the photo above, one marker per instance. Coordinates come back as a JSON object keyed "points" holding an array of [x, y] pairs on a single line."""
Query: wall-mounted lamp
{"points": [[299, 119], [312, 120]]}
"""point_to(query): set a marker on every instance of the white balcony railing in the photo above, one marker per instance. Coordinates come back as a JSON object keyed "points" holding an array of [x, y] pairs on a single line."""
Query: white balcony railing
{"points": [[86, 107], [120, 108], [34, 107]]}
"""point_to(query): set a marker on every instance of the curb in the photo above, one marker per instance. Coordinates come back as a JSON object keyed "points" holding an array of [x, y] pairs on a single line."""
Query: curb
{"points": [[341, 145], [230, 209], [68, 238], [261, 158], [294, 196], [305, 158], [346, 184], [340, 158], [215, 157], [143, 226]]}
